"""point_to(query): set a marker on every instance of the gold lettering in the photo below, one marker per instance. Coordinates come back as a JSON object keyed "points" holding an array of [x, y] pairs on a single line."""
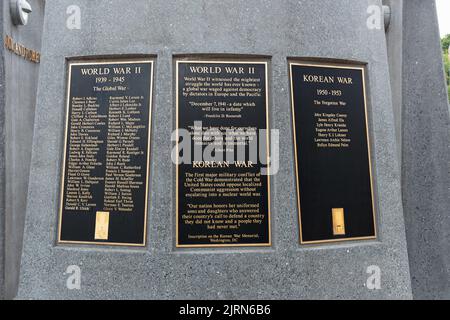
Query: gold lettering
{"points": [[21, 50]]}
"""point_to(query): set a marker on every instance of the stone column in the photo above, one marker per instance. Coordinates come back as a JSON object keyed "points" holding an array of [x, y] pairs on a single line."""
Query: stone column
{"points": [[325, 29], [425, 152], [18, 87]]}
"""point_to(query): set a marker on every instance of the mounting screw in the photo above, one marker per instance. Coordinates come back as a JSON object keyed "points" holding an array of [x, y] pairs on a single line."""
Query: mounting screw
{"points": [[20, 10]]}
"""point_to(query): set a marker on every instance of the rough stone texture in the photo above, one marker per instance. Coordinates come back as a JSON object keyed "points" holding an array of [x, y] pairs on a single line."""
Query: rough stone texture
{"points": [[327, 29], [18, 104], [426, 154]]}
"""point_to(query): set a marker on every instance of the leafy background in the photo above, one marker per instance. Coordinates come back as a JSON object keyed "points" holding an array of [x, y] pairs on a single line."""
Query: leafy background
{"points": [[445, 45]]}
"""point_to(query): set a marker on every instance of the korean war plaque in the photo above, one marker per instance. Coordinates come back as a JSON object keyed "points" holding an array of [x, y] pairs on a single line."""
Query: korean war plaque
{"points": [[332, 152], [222, 193], [106, 158]]}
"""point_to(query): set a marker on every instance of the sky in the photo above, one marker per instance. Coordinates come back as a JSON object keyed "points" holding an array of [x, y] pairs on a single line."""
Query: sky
{"points": [[443, 8]]}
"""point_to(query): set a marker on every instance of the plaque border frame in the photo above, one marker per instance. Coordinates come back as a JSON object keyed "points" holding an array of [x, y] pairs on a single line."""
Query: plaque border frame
{"points": [[318, 64], [224, 60], [106, 61]]}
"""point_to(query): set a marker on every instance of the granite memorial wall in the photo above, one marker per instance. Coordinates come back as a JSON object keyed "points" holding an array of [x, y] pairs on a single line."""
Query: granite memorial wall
{"points": [[231, 150], [215, 157]]}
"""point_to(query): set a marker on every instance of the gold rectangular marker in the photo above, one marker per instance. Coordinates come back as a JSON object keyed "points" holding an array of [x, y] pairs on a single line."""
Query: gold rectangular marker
{"points": [[102, 225], [338, 221]]}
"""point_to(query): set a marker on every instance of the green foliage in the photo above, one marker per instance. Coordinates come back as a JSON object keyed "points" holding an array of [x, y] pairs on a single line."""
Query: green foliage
{"points": [[445, 42], [445, 45], [447, 71], [447, 66]]}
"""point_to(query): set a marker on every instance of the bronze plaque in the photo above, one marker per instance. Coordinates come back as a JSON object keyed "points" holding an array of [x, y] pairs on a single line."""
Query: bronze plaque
{"points": [[104, 188], [332, 152], [226, 201]]}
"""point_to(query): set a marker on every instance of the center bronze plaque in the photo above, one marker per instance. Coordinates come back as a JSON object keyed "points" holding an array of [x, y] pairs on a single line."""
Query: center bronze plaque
{"points": [[105, 176], [222, 199], [332, 152]]}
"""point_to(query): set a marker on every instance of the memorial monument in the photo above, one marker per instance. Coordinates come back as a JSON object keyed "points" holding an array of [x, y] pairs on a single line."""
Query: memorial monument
{"points": [[238, 150]]}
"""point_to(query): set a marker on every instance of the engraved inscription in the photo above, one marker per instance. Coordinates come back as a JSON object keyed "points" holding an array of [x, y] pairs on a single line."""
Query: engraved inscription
{"points": [[332, 152], [222, 201], [105, 178]]}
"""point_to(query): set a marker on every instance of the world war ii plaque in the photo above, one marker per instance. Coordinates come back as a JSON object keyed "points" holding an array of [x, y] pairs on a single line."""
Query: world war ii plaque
{"points": [[332, 152], [106, 155], [222, 193]]}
